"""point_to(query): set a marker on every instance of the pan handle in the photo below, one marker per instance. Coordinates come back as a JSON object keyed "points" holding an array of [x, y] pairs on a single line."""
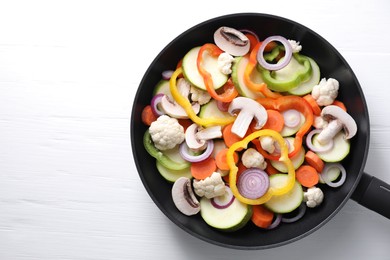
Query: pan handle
{"points": [[373, 194]]}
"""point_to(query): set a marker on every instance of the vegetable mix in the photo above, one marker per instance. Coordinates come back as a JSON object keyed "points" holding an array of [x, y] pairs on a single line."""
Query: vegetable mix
{"points": [[247, 131]]}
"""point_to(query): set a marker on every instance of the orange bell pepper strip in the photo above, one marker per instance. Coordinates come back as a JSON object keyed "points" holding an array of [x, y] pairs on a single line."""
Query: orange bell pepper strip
{"points": [[280, 190], [230, 91], [256, 87], [183, 102], [285, 103]]}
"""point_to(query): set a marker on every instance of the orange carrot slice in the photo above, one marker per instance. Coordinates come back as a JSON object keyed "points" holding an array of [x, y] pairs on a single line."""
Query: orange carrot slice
{"points": [[203, 169], [307, 176]]}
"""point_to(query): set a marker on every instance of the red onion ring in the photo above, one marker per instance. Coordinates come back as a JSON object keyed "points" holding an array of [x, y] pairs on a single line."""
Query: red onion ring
{"points": [[325, 178], [224, 201], [310, 145], [223, 106], [184, 152], [287, 55], [156, 100], [292, 118], [167, 74], [253, 183], [298, 216], [277, 220]]}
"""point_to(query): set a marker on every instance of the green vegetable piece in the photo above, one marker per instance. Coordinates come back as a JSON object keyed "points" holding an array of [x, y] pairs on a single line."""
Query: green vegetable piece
{"points": [[160, 156], [297, 71]]}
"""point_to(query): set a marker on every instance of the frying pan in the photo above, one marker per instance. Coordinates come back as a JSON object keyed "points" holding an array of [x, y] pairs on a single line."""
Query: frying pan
{"points": [[361, 187]]}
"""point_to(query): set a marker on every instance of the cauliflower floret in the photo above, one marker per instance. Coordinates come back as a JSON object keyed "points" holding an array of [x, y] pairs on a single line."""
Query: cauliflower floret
{"points": [[200, 96], [313, 197], [295, 46], [253, 159], [225, 61], [166, 132], [319, 122], [267, 143], [326, 91], [210, 187]]}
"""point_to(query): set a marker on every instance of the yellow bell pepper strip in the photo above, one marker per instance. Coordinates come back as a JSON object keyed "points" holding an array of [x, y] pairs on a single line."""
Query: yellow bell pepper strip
{"points": [[262, 87], [230, 91], [284, 158], [285, 103], [183, 102]]}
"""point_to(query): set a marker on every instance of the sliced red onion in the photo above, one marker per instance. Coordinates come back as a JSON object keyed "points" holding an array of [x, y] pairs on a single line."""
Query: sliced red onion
{"points": [[186, 155], [224, 201], [277, 220], [156, 100], [167, 74], [287, 55], [250, 32], [298, 216], [324, 174], [253, 183], [223, 106], [322, 148], [292, 118]]}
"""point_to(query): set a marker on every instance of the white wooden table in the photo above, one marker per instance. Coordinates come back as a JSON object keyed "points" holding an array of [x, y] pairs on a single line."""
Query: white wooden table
{"points": [[69, 70]]}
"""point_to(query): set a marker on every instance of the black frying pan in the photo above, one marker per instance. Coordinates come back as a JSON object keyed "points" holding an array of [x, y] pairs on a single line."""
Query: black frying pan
{"points": [[363, 188]]}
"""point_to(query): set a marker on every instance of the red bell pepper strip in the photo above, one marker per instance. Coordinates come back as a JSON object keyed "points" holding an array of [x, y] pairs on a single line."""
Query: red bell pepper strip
{"points": [[230, 91], [285, 103], [262, 87]]}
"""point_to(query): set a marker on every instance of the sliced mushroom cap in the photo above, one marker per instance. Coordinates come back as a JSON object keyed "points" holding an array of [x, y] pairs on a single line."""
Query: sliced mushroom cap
{"points": [[339, 119], [184, 198], [231, 41], [173, 109], [247, 110], [191, 139]]}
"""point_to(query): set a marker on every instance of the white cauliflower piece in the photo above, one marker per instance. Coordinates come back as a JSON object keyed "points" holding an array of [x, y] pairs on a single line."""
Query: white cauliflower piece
{"points": [[210, 187], [225, 61], [253, 159], [267, 143], [319, 122], [199, 95], [166, 132], [313, 197], [295, 46], [326, 91]]}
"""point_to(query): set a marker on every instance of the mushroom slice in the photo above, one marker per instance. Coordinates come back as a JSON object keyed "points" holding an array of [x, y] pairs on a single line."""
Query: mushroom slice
{"points": [[196, 137], [184, 198], [339, 119], [247, 110], [232, 41], [175, 110], [192, 141]]}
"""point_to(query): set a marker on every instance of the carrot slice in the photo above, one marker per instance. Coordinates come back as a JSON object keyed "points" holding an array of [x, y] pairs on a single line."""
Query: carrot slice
{"points": [[203, 169], [220, 159], [315, 161], [340, 104], [313, 104], [229, 137], [275, 120], [307, 176], [261, 216], [147, 115]]}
